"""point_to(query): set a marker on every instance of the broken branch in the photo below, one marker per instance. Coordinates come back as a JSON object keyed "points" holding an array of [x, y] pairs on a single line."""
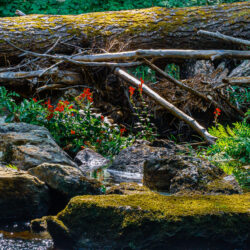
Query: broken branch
{"points": [[169, 106]]}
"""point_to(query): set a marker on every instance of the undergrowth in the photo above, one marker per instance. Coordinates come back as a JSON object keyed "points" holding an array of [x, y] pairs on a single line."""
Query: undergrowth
{"points": [[64, 7], [232, 149]]}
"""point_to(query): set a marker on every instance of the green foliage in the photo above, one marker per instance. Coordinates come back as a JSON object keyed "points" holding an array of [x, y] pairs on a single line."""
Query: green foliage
{"points": [[143, 72], [146, 130], [64, 7], [173, 70], [232, 149], [72, 128], [12, 167], [239, 96]]}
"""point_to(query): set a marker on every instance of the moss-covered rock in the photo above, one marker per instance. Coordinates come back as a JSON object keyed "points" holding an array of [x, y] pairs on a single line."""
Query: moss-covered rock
{"points": [[152, 221]]}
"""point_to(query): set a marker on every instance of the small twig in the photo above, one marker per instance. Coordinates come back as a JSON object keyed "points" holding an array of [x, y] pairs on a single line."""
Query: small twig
{"points": [[20, 13]]}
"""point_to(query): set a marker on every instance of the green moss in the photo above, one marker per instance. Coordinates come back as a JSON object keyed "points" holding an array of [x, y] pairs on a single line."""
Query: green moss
{"points": [[219, 186], [127, 188], [133, 218]]}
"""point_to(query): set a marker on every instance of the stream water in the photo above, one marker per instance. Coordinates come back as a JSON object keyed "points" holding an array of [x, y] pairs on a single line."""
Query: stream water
{"points": [[17, 236]]}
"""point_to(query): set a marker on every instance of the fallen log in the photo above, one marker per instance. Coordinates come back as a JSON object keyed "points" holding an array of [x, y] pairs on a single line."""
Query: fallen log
{"points": [[144, 28], [167, 105]]}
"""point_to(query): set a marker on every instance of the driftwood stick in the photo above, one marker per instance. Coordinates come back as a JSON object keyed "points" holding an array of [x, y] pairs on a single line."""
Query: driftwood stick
{"points": [[245, 80], [225, 38], [19, 13], [73, 61], [60, 76], [164, 53], [10, 76], [234, 81], [169, 106], [50, 87], [184, 86]]}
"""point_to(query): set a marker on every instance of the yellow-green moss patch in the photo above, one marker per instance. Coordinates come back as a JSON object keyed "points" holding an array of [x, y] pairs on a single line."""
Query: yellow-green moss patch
{"points": [[133, 219]]}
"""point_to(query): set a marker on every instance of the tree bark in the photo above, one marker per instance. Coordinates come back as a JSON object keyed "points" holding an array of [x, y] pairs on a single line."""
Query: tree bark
{"points": [[145, 28]]}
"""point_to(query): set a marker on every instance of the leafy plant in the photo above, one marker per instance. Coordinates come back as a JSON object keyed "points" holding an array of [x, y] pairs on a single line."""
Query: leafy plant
{"points": [[73, 125], [65, 7], [146, 128], [232, 149], [12, 167]]}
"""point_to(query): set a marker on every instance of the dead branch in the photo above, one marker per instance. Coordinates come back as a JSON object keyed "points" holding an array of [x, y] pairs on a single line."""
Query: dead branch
{"points": [[165, 53], [19, 13], [240, 81], [62, 76], [225, 38], [169, 106], [70, 60]]}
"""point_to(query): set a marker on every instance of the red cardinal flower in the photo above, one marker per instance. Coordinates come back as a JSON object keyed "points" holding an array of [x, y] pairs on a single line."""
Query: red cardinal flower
{"points": [[140, 87], [72, 132], [131, 91], [34, 99], [102, 117], [122, 130]]}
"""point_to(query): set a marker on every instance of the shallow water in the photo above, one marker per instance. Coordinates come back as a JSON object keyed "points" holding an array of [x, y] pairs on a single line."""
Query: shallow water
{"points": [[18, 237]]}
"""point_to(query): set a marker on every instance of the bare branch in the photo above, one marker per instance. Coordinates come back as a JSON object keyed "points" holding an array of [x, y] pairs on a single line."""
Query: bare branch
{"points": [[225, 38], [169, 106]]}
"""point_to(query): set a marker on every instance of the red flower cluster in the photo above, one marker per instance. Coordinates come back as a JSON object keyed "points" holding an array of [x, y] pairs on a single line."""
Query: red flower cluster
{"points": [[140, 87], [131, 91], [217, 112], [99, 140], [34, 100], [122, 130], [73, 132], [86, 94], [50, 109], [102, 118]]}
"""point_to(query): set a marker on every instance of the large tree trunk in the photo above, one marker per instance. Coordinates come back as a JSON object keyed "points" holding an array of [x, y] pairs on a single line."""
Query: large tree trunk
{"points": [[144, 28]]}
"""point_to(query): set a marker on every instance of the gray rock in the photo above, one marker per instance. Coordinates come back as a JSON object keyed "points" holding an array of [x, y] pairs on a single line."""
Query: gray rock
{"points": [[88, 160], [22, 196], [26, 146], [66, 180], [128, 164], [180, 174]]}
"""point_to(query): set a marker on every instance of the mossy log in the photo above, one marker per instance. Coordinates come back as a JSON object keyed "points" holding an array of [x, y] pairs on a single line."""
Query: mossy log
{"points": [[145, 28]]}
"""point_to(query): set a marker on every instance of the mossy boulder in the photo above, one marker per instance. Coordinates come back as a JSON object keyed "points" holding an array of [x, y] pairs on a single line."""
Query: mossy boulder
{"points": [[152, 221], [182, 174]]}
